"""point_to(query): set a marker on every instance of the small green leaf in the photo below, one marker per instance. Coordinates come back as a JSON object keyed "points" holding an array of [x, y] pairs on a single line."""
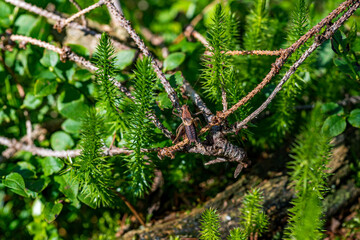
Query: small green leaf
{"points": [[163, 100], [124, 58], [16, 183], [61, 141], [31, 101], [354, 118], [37, 185], [79, 49], [71, 104], [68, 186], [173, 61], [5, 15], [51, 165], [24, 23], [52, 211], [332, 108], [334, 125], [45, 87], [50, 58], [82, 75], [71, 126]]}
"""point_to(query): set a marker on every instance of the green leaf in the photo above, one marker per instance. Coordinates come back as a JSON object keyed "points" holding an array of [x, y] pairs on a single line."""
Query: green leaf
{"points": [[71, 126], [61, 141], [354, 118], [79, 49], [124, 58], [45, 87], [71, 104], [25, 169], [51, 165], [49, 59], [16, 183], [82, 75], [342, 65], [334, 125], [37, 185], [163, 100], [332, 108], [5, 13], [173, 61], [52, 211], [40, 30], [68, 186], [25, 23], [31, 101]]}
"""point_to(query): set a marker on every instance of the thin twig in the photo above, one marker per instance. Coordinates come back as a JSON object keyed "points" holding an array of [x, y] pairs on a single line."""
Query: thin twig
{"points": [[190, 28], [201, 39], [131, 207], [83, 19], [126, 25], [321, 39], [63, 23], [66, 53], [45, 152], [49, 15], [195, 97], [250, 52], [223, 99]]}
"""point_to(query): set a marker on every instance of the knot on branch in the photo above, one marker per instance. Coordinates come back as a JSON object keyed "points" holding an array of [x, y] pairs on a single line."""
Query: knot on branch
{"points": [[65, 53], [59, 25], [5, 42]]}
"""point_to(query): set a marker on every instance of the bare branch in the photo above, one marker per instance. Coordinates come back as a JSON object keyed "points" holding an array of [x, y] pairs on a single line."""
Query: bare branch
{"points": [[83, 19], [45, 152], [201, 39], [57, 18], [197, 100], [190, 28], [126, 24], [250, 52], [63, 23], [66, 53]]}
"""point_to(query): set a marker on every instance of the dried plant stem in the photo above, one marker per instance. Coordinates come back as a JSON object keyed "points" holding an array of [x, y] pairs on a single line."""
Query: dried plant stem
{"points": [[45, 152], [201, 39], [63, 23], [83, 19], [250, 52], [66, 53], [325, 36], [190, 28], [126, 25], [52, 16], [131, 207], [195, 97]]}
